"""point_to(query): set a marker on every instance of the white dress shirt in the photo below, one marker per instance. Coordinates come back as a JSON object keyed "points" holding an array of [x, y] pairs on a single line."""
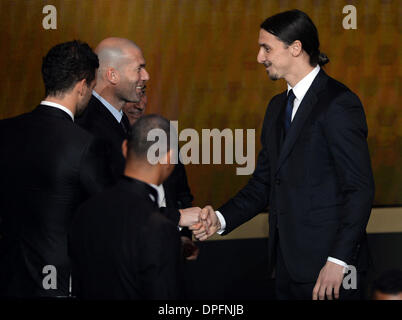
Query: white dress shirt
{"points": [[299, 90], [58, 106]]}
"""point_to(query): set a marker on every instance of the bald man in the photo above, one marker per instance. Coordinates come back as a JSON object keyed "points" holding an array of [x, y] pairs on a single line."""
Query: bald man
{"points": [[121, 78]]}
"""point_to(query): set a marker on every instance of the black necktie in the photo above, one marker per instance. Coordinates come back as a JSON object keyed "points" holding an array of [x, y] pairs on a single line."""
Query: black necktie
{"points": [[153, 194], [289, 109]]}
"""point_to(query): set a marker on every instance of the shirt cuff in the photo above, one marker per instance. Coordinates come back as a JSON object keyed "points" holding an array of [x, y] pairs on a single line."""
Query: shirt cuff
{"points": [[222, 221], [340, 262]]}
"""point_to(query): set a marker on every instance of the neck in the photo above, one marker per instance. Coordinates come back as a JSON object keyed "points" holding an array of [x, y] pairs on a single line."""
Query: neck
{"points": [[109, 95], [144, 173], [298, 74], [66, 102]]}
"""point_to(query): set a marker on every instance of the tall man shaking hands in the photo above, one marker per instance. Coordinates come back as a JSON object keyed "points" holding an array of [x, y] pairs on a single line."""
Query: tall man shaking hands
{"points": [[313, 171]]}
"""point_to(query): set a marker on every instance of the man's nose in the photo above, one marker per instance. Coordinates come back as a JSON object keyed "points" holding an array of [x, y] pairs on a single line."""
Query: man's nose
{"points": [[260, 56], [144, 75]]}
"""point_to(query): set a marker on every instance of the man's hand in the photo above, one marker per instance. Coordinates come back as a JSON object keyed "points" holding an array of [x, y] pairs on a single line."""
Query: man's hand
{"points": [[189, 216], [208, 226], [329, 279]]}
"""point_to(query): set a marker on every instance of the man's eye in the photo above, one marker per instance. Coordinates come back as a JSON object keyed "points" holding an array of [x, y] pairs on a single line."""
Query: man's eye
{"points": [[267, 49]]}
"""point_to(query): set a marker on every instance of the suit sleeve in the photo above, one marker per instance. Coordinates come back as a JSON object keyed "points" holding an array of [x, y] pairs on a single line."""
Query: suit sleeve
{"points": [[346, 133], [184, 198], [172, 214], [254, 197], [95, 173], [160, 260]]}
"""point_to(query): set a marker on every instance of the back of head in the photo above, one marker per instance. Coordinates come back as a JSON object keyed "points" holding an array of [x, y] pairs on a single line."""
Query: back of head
{"points": [[293, 25], [139, 141], [67, 63], [388, 283]]}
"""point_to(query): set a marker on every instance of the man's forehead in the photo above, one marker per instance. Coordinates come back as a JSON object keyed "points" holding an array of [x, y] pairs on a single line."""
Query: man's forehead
{"points": [[136, 57], [266, 38]]}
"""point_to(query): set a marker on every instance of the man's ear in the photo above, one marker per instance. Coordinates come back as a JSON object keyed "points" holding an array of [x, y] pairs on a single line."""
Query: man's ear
{"points": [[296, 48], [81, 87], [168, 157], [112, 75], [124, 148]]}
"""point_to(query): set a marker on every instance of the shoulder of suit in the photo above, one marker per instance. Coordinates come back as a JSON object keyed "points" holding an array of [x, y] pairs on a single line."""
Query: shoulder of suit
{"points": [[336, 86], [338, 90]]}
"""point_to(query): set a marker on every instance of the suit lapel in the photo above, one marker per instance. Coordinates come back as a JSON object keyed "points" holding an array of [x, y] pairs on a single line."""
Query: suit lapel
{"points": [[305, 108], [108, 116], [275, 135]]}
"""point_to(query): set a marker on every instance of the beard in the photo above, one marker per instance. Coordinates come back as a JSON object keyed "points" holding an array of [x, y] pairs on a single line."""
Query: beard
{"points": [[272, 76]]}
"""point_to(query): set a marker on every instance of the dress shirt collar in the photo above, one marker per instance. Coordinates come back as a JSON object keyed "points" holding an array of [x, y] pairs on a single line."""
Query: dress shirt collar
{"points": [[161, 194], [116, 113], [141, 187], [58, 106], [301, 88]]}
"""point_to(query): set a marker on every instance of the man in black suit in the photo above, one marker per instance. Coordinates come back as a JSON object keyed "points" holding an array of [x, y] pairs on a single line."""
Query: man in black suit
{"points": [[175, 192], [49, 166], [122, 246], [313, 170], [121, 78]]}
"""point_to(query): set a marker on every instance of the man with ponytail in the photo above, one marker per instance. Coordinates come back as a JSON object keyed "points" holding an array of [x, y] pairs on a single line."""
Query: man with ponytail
{"points": [[313, 171]]}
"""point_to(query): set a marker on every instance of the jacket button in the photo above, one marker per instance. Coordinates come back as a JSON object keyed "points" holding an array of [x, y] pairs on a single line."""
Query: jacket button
{"points": [[278, 182]]}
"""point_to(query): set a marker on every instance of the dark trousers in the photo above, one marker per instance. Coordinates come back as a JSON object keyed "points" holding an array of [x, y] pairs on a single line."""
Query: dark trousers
{"points": [[288, 289]]}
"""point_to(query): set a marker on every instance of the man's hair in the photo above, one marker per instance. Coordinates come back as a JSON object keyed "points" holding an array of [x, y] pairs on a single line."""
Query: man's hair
{"points": [[293, 25], [138, 144], [389, 282], [67, 63]]}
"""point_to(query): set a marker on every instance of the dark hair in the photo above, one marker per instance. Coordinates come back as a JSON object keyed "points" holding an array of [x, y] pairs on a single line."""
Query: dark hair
{"points": [[138, 143], [67, 63], [294, 25], [389, 282]]}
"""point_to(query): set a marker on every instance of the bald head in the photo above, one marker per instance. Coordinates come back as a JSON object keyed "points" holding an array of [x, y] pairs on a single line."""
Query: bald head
{"points": [[121, 75], [114, 52]]}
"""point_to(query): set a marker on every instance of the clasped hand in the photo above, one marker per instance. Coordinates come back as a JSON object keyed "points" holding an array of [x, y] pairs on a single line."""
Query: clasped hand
{"points": [[203, 222]]}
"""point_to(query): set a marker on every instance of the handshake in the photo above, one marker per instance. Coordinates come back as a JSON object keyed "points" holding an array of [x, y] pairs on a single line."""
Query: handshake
{"points": [[203, 222]]}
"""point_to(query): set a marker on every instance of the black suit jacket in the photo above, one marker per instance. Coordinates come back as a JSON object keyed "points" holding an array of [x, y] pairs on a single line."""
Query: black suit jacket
{"points": [[317, 181], [122, 247], [49, 165], [99, 121], [178, 196]]}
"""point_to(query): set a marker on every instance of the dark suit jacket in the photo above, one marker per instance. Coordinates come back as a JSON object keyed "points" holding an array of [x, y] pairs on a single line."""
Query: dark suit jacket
{"points": [[49, 165], [178, 196], [122, 247], [317, 181], [99, 121]]}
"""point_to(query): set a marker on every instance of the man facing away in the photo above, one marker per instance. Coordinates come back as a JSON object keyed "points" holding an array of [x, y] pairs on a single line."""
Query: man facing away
{"points": [[122, 246], [313, 171], [49, 166], [175, 191]]}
